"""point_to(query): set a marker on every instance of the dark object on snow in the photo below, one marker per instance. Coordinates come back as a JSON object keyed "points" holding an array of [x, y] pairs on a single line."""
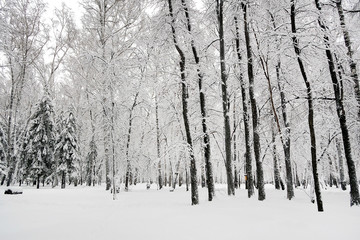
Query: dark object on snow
{"points": [[117, 189], [13, 191]]}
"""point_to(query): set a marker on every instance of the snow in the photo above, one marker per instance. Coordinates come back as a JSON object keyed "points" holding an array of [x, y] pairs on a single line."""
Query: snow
{"points": [[90, 213]]}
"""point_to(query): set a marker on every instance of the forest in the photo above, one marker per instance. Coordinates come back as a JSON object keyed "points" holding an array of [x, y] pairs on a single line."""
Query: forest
{"points": [[182, 92]]}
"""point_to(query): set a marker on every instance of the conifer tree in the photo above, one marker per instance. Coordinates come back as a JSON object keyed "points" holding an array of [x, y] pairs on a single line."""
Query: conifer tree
{"points": [[67, 149], [41, 141], [24, 159]]}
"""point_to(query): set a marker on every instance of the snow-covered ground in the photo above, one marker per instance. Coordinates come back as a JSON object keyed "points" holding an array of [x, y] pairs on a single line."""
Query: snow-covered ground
{"points": [[90, 213]]}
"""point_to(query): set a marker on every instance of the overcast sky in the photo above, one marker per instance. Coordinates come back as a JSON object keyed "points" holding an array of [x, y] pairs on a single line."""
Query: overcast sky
{"points": [[77, 9], [73, 4]]}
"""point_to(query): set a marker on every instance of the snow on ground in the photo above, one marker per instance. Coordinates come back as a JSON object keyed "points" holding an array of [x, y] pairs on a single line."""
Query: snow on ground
{"points": [[90, 213]]}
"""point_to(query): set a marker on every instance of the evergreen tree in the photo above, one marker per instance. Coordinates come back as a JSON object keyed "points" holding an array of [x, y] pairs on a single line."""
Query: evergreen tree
{"points": [[67, 149], [41, 141], [24, 158]]}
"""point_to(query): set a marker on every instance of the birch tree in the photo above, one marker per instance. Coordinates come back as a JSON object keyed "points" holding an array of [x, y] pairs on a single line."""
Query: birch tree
{"points": [[206, 138], [310, 106], [340, 110], [246, 116], [254, 110], [225, 99], [184, 98]]}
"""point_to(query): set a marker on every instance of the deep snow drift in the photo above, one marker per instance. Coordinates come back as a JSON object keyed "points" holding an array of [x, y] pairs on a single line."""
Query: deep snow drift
{"points": [[90, 213]]}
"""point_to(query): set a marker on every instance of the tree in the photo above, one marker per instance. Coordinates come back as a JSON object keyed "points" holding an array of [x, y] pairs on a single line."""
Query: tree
{"points": [[284, 135], [128, 177], [353, 72], [310, 107], [22, 42], [277, 177], [91, 163], [160, 182], [254, 110], [340, 109], [341, 165], [63, 34], [2, 152], [93, 151], [225, 99], [41, 141], [67, 149], [246, 117], [184, 98], [112, 28], [206, 138]]}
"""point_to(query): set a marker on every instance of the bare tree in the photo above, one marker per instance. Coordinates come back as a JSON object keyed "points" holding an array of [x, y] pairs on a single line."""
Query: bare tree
{"points": [[338, 92], [225, 99], [128, 162], [352, 64], [185, 97], [286, 133], [254, 110], [310, 107], [206, 138], [245, 105], [158, 141]]}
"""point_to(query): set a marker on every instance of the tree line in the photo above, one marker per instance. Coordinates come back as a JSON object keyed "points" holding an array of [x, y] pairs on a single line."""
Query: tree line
{"points": [[167, 91]]}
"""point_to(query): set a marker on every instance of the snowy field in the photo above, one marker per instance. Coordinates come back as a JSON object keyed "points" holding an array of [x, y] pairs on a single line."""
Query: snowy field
{"points": [[90, 213]]}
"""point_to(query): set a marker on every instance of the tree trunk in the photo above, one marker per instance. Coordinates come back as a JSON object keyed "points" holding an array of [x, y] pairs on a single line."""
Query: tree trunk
{"points": [[103, 9], [311, 110], [352, 63], [177, 169], [203, 179], [186, 179], [38, 181], [285, 135], [10, 147], [92, 153], [185, 97], [333, 180], [113, 146], [128, 176], [248, 159], [225, 100], [254, 111], [206, 138], [63, 179], [286, 139], [165, 171], [276, 163], [158, 142], [297, 180], [236, 179], [106, 155], [354, 186], [193, 177], [15, 99], [341, 165]]}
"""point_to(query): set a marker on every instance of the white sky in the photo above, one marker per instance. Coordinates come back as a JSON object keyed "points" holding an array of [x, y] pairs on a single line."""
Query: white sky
{"points": [[73, 4], [77, 9]]}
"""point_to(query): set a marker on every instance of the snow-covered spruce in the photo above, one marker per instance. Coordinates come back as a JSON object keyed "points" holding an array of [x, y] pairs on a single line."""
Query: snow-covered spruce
{"points": [[67, 149]]}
